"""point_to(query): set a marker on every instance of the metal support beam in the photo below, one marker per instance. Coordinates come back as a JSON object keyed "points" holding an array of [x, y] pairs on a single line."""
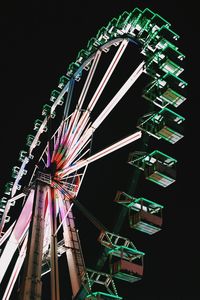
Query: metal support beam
{"points": [[55, 292], [74, 255], [32, 284]]}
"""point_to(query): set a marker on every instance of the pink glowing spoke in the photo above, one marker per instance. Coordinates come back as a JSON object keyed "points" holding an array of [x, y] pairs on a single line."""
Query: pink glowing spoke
{"points": [[118, 96], [80, 127], [106, 151], [85, 117], [81, 132], [47, 230], [80, 145], [16, 270], [65, 147], [57, 139], [17, 235], [85, 89], [77, 134], [48, 155], [89, 79], [64, 217], [108, 109], [66, 163], [108, 74], [70, 153], [6, 234]]}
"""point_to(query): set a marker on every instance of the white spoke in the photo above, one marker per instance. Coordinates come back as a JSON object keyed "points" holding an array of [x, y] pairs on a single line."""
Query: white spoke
{"points": [[103, 152], [118, 96]]}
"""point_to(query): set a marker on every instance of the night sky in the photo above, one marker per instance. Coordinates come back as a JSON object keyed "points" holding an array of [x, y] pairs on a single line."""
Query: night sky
{"points": [[38, 42]]}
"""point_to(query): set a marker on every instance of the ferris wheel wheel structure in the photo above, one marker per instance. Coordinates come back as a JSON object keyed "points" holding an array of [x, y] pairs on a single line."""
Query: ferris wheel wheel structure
{"points": [[52, 167]]}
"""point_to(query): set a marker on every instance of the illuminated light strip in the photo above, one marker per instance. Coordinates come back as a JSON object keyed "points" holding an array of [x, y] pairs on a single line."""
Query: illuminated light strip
{"points": [[75, 116], [93, 100], [16, 270], [74, 151], [64, 217], [47, 230], [69, 98], [69, 151], [19, 175], [104, 152], [80, 146], [64, 165], [57, 139], [107, 75], [89, 79], [53, 107], [18, 233], [6, 210], [59, 135], [81, 125], [61, 144], [119, 95], [85, 117], [134, 76], [67, 106], [6, 234], [84, 91], [62, 93], [48, 155]]}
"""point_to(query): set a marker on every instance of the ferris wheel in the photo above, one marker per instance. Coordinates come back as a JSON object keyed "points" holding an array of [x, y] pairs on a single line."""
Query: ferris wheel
{"points": [[58, 153]]}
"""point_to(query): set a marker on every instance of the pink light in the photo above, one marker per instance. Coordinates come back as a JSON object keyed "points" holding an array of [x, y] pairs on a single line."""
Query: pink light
{"points": [[106, 151]]}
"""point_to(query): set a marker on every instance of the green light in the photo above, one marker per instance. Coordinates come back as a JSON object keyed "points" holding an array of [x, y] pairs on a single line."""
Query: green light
{"points": [[148, 201], [145, 227], [129, 250], [127, 277], [167, 159], [96, 294], [161, 179]]}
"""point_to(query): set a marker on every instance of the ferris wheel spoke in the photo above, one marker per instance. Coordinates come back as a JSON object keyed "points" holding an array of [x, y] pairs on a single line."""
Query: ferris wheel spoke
{"points": [[108, 74], [16, 269], [135, 75], [89, 79], [58, 140], [69, 98], [78, 157], [104, 152], [10, 202], [72, 154], [65, 154], [76, 128], [76, 116], [17, 235], [86, 115], [77, 112], [47, 231], [6, 234], [64, 217], [118, 95], [83, 140], [68, 148]]}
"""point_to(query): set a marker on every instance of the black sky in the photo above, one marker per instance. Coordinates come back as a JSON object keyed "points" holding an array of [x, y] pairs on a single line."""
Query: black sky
{"points": [[38, 41]]}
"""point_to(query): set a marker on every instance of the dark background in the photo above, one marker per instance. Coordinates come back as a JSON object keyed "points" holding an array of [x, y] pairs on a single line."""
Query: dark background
{"points": [[38, 41]]}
